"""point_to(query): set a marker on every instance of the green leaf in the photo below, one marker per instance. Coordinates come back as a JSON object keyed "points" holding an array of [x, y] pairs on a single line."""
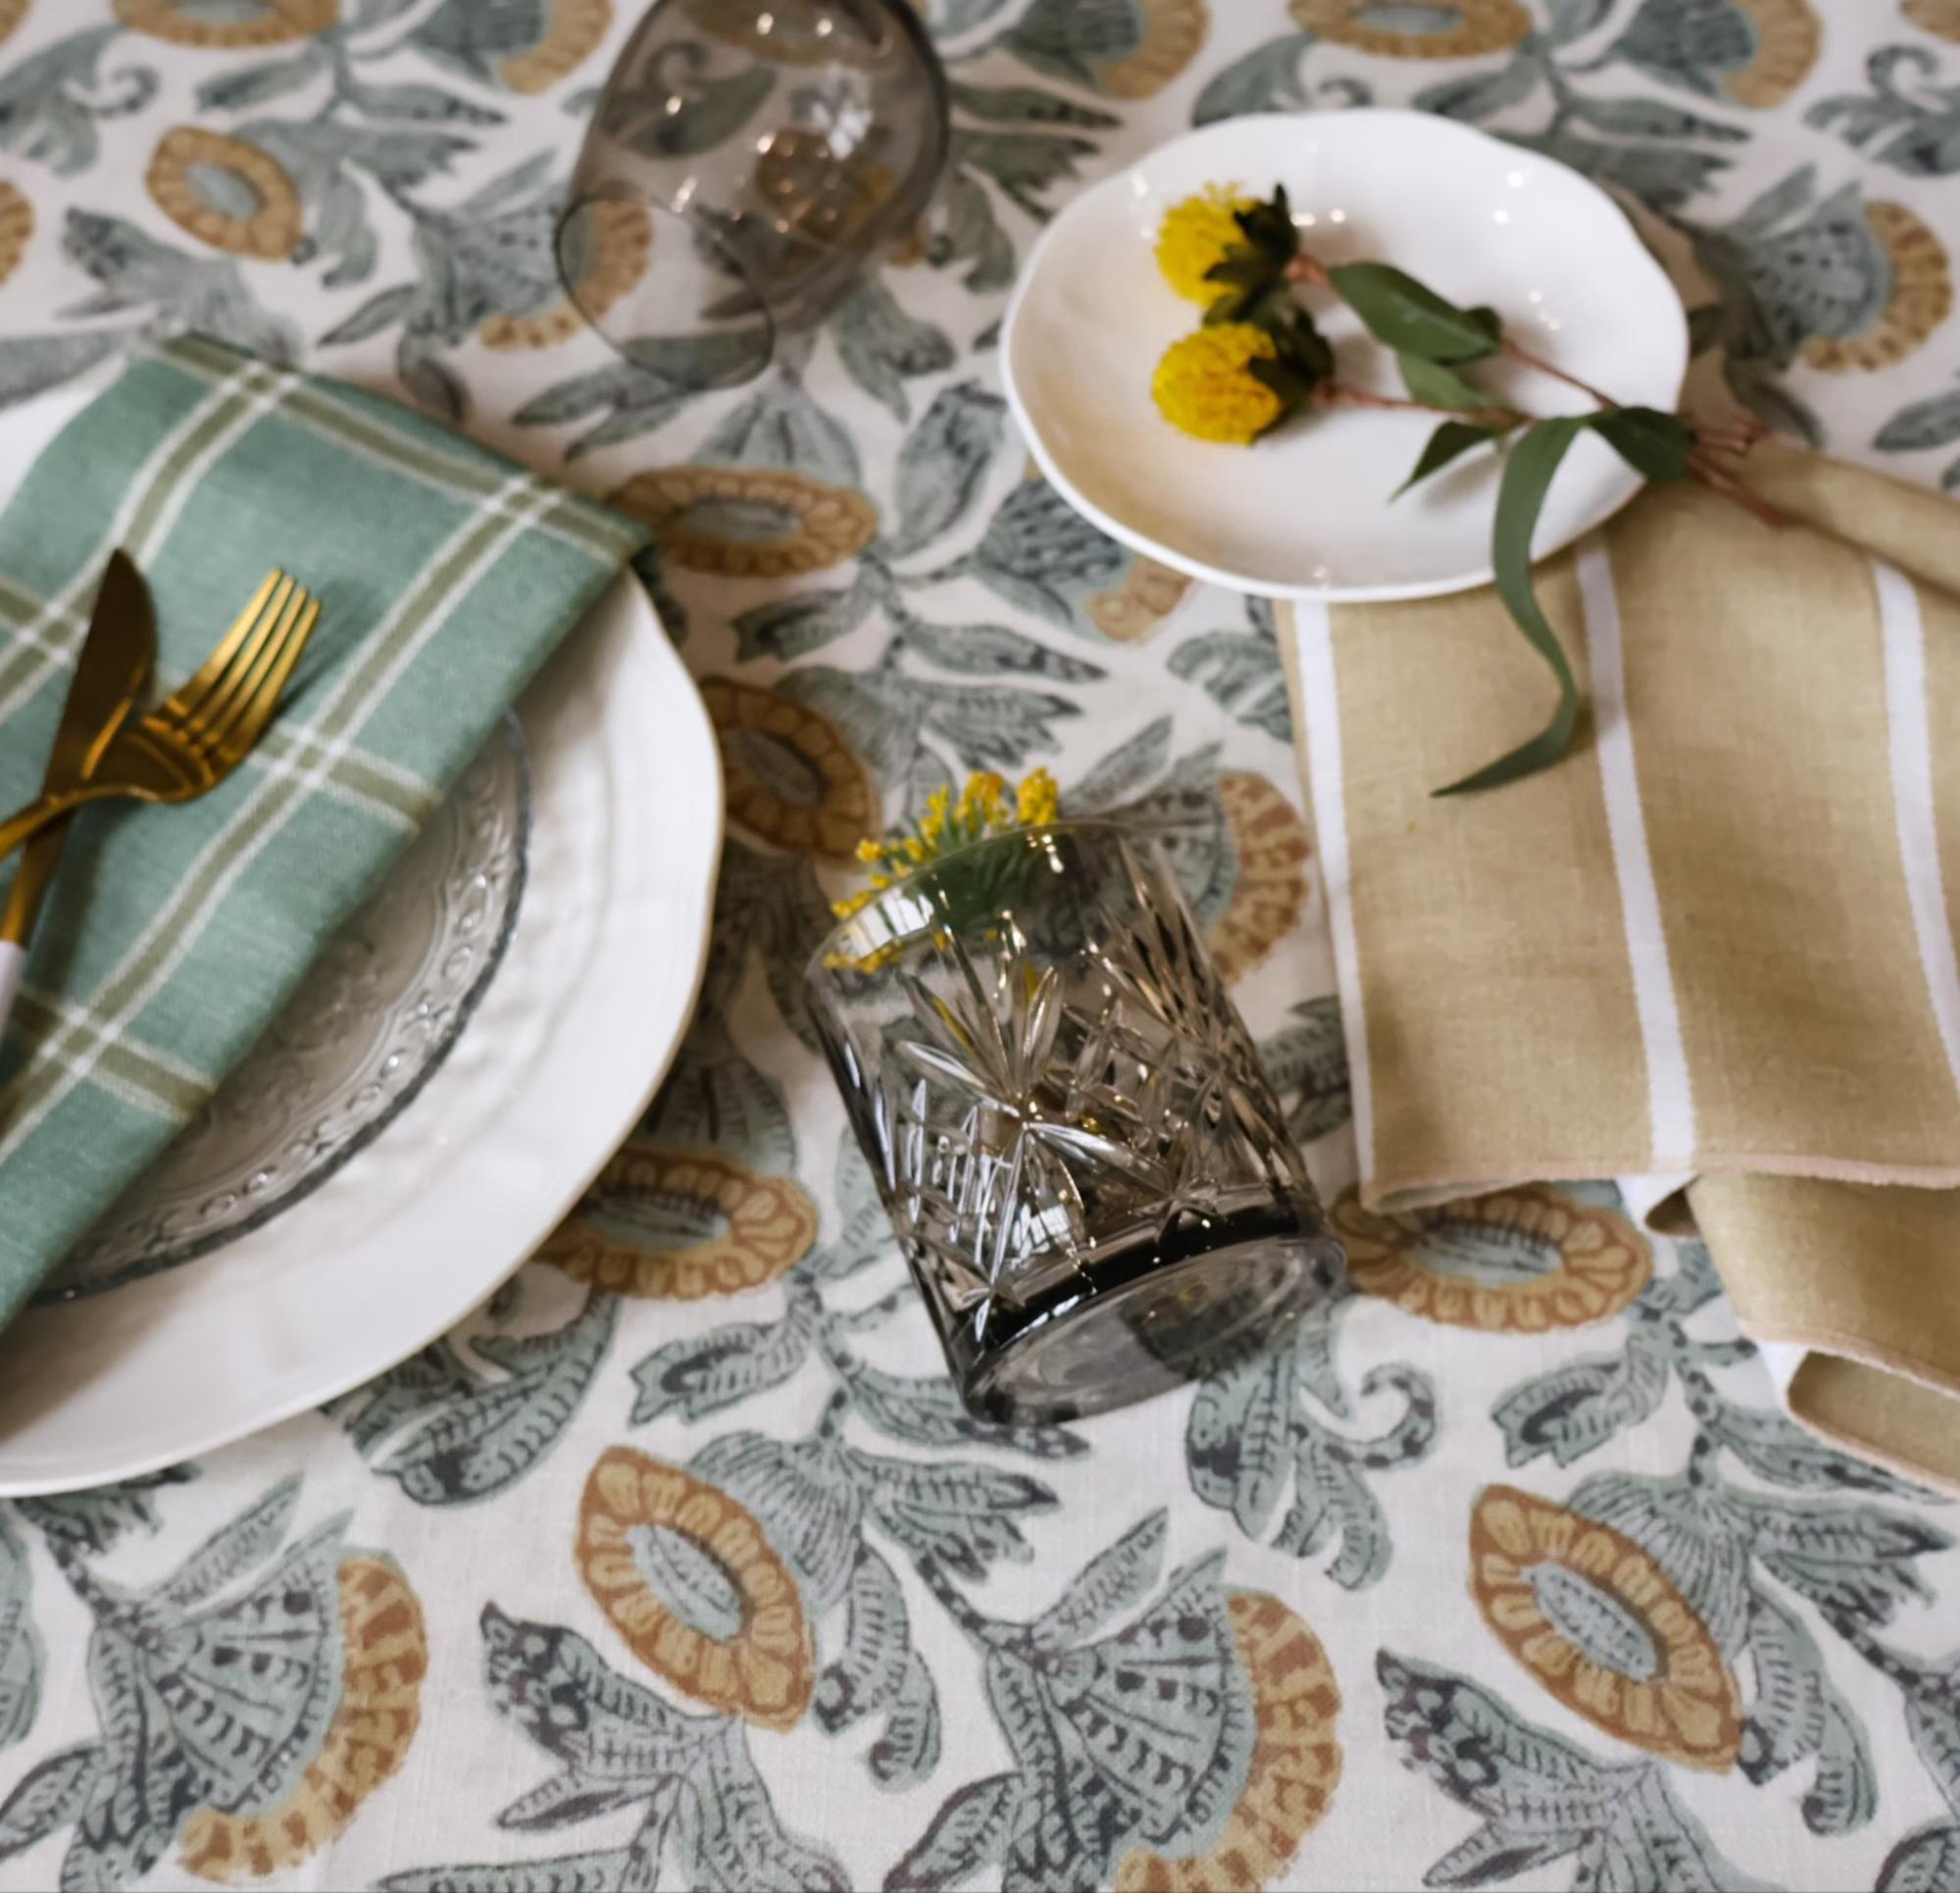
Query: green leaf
{"points": [[882, 347], [1925, 424], [1026, 105], [1438, 386], [1411, 318], [1528, 476], [1265, 79], [1450, 439], [993, 650], [944, 463], [792, 627], [1268, 227], [1655, 445]]}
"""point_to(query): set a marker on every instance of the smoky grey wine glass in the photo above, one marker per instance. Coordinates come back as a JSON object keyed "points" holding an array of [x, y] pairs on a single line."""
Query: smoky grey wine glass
{"points": [[1086, 1166], [745, 162]]}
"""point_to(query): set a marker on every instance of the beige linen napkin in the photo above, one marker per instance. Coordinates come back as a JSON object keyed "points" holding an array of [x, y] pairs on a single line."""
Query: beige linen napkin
{"points": [[1716, 942]]}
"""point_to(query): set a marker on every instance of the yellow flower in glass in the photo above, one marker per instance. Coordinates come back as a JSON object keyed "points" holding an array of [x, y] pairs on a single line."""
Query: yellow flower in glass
{"points": [[1205, 384], [1196, 234], [982, 808]]}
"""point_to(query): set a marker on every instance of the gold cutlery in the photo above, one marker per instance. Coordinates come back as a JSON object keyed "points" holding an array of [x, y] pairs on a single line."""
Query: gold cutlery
{"points": [[109, 675], [200, 733]]}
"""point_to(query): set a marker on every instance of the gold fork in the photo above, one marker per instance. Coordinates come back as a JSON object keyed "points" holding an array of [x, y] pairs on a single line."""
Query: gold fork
{"points": [[193, 740]]}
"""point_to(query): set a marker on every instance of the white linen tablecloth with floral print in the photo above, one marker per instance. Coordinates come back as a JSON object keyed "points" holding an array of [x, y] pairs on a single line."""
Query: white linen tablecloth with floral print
{"points": [[669, 1567]]}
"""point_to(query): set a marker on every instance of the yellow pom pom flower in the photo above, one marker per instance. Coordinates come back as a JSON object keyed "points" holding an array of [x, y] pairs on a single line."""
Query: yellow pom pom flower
{"points": [[1038, 800], [1196, 234], [983, 809], [1205, 384]]}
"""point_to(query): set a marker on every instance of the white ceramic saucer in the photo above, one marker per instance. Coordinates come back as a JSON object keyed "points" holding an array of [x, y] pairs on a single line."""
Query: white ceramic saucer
{"points": [[566, 1046], [1306, 512]]}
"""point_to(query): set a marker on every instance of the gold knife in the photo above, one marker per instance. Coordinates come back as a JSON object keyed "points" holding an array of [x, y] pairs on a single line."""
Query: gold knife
{"points": [[109, 676]]}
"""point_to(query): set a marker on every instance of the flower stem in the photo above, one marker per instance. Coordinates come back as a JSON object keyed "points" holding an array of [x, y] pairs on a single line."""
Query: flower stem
{"points": [[1331, 395], [1527, 360], [1713, 473]]}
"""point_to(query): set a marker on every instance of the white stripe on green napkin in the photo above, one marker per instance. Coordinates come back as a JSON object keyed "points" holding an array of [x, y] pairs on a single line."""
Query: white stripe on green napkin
{"points": [[445, 574]]}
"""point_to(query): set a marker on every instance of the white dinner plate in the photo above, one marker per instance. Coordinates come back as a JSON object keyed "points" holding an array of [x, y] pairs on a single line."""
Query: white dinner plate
{"points": [[566, 1046], [1305, 512]]}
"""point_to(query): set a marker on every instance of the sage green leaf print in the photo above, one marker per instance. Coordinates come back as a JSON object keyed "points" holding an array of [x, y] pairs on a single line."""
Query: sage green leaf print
{"points": [[1240, 672], [95, 1520], [1756, 54], [882, 347], [52, 102], [698, 1375], [1094, 1773], [1844, 282], [1797, 1713], [1265, 79], [943, 464], [1576, 1409], [1308, 1066], [703, 1807], [525, 45], [174, 292], [1040, 554], [713, 108], [787, 628], [22, 1654], [962, 232], [1917, 428], [993, 650], [1926, 1860], [247, 85], [449, 1432], [927, 1412], [30, 365], [1916, 131], [49, 1797], [781, 426], [879, 1672], [1739, 1555], [1253, 1437], [1543, 1798], [715, 1098], [214, 1688]]}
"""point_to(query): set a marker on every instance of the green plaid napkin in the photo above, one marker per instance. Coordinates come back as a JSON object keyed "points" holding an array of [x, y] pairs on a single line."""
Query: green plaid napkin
{"points": [[174, 936]]}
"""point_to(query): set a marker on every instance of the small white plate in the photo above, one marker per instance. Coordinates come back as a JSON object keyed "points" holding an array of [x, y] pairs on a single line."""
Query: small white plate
{"points": [[1305, 512], [576, 1030]]}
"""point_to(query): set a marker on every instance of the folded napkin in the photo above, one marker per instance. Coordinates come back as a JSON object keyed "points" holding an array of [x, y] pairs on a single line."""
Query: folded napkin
{"points": [[1716, 942], [172, 938]]}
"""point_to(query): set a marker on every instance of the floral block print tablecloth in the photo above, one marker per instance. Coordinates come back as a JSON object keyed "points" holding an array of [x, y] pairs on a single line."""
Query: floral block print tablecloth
{"points": [[672, 1566]]}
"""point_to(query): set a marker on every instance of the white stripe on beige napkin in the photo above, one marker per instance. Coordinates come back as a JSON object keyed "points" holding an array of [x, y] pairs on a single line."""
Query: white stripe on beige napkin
{"points": [[1718, 940]]}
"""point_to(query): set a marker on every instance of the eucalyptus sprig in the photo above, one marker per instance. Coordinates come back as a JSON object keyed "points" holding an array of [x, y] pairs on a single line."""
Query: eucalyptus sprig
{"points": [[1241, 257]]}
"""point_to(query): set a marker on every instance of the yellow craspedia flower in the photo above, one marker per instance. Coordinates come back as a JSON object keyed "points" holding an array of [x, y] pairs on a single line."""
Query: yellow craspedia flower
{"points": [[1204, 383], [1196, 234], [1038, 800]]}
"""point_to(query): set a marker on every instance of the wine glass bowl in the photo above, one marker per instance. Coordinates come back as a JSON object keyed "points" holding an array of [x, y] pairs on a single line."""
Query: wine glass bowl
{"points": [[748, 159]]}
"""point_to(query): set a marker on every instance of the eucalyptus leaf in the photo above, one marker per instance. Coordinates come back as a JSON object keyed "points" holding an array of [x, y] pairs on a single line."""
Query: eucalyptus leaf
{"points": [[1452, 440], [1527, 478], [1410, 317], [1438, 386], [1655, 445]]}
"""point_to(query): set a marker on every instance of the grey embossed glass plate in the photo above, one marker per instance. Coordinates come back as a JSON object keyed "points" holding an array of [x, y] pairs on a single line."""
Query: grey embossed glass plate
{"points": [[374, 1019]]}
